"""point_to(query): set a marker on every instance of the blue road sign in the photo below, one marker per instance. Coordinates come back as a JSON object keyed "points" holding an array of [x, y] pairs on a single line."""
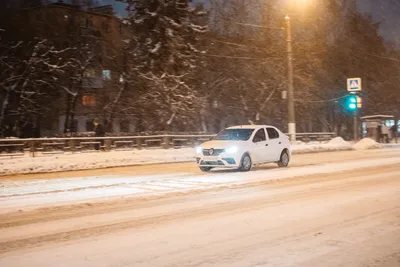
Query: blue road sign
{"points": [[354, 84]]}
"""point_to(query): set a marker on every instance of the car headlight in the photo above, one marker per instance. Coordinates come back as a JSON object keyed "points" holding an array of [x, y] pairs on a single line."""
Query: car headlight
{"points": [[199, 150], [232, 150]]}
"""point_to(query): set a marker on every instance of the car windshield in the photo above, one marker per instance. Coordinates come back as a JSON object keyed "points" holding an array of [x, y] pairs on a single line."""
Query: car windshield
{"points": [[234, 134]]}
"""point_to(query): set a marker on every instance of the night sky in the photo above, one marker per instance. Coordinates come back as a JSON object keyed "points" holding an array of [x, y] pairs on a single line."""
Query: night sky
{"points": [[119, 7], [385, 11], [388, 13]]}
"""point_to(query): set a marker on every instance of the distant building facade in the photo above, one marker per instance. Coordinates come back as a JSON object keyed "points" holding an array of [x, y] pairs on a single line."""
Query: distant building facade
{"points": [[71, 25]]}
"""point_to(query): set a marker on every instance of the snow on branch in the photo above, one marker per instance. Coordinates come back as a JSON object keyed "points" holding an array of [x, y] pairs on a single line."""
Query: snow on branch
{"points": [[198, 28], [156, 48]]}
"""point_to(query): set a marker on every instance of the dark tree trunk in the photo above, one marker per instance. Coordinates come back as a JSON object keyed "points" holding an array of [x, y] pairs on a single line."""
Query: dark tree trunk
{"points": [[3, 112], [72, 112], [67, 113]]}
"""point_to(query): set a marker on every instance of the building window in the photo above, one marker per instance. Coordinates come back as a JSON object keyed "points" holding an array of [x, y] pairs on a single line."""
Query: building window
{"points": [[90, 73], [83, 23], [89, 100], [86, 23], [89, 24], [106, 27], [89, 126], [106, 75]]}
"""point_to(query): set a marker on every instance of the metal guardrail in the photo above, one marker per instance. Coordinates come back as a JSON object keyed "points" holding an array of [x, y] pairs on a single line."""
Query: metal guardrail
{"points": [[41, 146]]}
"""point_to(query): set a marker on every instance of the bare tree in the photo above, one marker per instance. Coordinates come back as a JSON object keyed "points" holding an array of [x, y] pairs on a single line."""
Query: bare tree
{"points": [[30, 71]]}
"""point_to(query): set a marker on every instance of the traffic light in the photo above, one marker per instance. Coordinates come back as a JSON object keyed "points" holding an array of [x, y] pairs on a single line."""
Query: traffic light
{"points": [[359, 101], [353, 102]]}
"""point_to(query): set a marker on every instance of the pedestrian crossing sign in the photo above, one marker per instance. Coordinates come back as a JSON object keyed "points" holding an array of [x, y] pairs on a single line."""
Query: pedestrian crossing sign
{"points": [[354, 84]]}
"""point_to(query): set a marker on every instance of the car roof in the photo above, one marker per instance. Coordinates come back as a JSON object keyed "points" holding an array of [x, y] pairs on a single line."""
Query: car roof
{"points": [[249, 126]]}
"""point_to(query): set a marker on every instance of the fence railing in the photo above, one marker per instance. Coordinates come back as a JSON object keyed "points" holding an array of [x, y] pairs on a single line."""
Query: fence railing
{"points": [[41, 146]]}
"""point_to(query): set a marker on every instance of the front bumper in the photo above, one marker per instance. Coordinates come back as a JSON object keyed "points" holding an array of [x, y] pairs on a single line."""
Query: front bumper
{"points": [[224, 161]]}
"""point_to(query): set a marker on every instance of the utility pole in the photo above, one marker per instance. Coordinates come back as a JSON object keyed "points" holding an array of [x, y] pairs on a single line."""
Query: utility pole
{"points": [[291, 112], [355, 126]]}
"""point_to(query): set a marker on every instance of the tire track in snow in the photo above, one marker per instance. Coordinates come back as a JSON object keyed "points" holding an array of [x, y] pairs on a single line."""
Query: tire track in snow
{"points": [[366, 181]]}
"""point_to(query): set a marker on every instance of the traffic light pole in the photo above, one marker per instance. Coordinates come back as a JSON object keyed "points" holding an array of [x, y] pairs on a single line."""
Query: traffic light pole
{"points": [[356, 125]]}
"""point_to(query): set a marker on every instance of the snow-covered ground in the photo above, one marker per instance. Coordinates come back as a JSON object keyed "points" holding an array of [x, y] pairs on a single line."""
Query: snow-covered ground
{"points": [[84, 161], [342, 219], [18, 193]]}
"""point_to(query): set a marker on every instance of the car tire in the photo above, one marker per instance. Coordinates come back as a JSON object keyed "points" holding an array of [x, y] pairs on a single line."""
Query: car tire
{"points": [[205, 169], [284, 159], [245, 164]]}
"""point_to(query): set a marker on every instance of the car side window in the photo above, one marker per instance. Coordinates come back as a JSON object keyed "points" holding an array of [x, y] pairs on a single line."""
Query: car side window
{"points": [[272, 133], [259, 136]]}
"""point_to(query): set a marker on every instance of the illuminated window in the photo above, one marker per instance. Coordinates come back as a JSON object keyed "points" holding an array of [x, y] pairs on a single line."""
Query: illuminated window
{"points": [[89, 100], [90, 73], [106, 75]]}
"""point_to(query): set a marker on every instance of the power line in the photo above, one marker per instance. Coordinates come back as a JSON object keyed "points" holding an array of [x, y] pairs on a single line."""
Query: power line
{"points": [[234, 57], [322, 101], [236, 44], [259, 26], [254, 25], [388, 58]]}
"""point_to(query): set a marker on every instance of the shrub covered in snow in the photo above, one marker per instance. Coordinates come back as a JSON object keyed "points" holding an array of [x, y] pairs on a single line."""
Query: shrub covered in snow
{"points": [[367, 143], [338, 141]]}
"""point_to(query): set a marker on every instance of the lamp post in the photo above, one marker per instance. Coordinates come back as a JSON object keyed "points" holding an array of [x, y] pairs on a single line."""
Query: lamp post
{"points": [[290, 95]]}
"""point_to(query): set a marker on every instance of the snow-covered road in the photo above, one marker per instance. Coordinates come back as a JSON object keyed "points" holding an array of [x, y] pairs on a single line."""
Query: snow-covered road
{"points": [[84, 161], [327, 209]]}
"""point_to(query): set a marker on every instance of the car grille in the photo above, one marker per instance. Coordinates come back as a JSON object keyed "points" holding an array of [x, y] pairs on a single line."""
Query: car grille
{"points": [[206, 152], [213, 163]]}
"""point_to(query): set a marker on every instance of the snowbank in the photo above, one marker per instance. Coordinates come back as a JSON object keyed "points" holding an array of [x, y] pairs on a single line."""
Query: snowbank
{"points": [[336, 144], [84, 161], [366, 143], [338, 141], [94, 160]]}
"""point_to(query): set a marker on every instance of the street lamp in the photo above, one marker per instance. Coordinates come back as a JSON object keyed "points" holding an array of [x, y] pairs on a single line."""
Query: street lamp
{"points": [[291, 112]]}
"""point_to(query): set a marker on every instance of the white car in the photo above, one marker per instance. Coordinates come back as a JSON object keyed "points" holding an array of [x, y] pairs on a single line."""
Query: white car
{"points": [[242, 147]]}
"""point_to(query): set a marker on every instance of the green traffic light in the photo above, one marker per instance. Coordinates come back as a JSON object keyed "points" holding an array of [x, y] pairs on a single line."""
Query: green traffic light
{"points": [[351, 102]]}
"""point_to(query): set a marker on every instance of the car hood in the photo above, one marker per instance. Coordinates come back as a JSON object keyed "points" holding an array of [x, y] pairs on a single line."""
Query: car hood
{"points": [[221, 144]]}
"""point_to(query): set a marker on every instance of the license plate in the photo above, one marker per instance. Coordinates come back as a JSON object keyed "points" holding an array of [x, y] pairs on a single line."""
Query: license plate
{"points": [[211, 158]]}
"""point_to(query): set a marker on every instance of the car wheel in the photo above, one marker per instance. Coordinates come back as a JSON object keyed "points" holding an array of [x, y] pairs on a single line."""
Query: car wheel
{"points": [[284, 159], [205, 169], [246, 163]]}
